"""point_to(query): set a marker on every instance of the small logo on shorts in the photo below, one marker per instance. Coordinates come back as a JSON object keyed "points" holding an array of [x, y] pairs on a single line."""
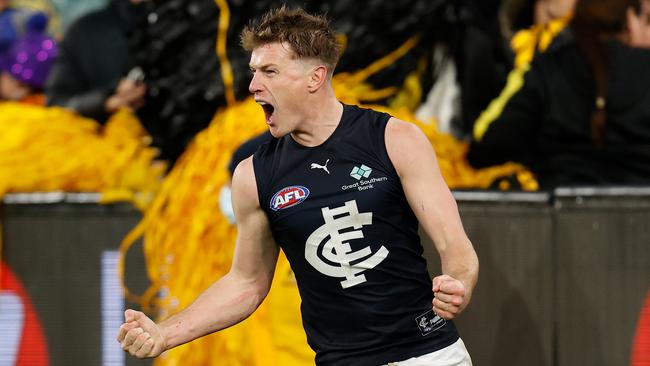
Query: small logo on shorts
{"points": [[429, 322]]}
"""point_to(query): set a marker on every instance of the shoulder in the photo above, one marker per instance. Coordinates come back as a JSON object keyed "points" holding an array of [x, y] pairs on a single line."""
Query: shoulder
{"points": [[251, 219], [369, 117], [265, 156], [399, 131], [247, 149], [264, 144], [244, 187], [366, 124], [405, 144], [373, 114]]}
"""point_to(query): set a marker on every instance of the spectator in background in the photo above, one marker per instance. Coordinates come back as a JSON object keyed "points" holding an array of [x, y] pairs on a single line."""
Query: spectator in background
{"points": [[548, 10], [90, 75], [16, 21], [582, 115], [522, 14], [26, 62]]}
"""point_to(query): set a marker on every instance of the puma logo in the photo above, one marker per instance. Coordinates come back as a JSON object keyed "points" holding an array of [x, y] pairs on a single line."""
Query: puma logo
{"points": [[318, 166]]}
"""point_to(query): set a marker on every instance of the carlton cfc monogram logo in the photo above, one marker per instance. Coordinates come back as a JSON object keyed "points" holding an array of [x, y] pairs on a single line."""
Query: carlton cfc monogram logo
{"points": [[289, 197], [335, 248]]}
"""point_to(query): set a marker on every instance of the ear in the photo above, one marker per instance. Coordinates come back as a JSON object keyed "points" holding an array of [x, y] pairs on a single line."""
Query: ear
{"points": [[317, 78]]}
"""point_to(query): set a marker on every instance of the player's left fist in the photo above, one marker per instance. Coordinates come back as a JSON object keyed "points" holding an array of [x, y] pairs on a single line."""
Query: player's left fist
{"points": [[449, 296]]}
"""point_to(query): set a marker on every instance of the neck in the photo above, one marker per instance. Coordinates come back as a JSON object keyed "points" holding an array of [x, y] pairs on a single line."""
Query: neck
{"points": [[319, 122]]}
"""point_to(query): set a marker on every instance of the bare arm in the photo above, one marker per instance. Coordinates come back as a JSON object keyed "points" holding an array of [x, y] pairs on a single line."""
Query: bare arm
{"points": [[229, 300], [433, 204]]}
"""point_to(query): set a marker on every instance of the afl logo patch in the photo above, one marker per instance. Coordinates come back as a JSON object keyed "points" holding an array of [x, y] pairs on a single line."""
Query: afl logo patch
{"points": [[289, 197]]}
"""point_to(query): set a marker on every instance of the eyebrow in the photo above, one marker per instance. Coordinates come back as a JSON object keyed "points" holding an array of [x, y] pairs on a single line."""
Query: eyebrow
{"points": [[262, 67]]}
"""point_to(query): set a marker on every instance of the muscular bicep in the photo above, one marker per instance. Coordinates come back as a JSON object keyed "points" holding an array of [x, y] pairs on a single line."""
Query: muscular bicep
{"points": [[255, 251], [426, 191]]}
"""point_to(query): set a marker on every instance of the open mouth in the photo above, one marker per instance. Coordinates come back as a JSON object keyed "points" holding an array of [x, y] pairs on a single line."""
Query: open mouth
{"points": [[268, 109]]}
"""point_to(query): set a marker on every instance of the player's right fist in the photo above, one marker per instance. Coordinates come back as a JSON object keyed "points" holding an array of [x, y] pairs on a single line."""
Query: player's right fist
{"points": [[140, 336]]}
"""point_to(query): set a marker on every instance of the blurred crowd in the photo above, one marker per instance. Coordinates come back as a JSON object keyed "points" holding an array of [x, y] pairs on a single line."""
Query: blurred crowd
{"points": [[560, 86], [579, 113], [27, 53]]}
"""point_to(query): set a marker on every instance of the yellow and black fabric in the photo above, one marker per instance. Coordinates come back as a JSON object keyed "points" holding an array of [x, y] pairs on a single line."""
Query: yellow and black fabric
{"points": [[525, 44], [546, 123]]}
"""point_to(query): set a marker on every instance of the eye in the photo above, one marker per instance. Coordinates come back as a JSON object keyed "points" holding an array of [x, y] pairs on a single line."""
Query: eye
{"points": [[269, 72]]}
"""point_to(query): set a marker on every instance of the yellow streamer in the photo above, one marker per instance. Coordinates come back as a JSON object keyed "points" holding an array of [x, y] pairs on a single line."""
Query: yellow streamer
{"points": [[222, 36], [514, 83], [410, 96], [362, 75], [52, 149], [527, 42]]}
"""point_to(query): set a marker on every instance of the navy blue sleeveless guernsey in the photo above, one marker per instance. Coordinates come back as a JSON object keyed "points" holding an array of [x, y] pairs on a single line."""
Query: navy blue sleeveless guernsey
{"points": [[339, 213]]}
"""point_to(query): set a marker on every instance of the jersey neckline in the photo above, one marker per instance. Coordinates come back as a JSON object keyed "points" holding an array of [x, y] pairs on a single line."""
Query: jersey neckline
{"points": [[334, 135]]}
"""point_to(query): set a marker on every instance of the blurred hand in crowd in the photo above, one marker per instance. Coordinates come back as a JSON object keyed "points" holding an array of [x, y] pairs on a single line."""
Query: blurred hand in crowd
{"points": [[12, 89], [129, 94], [548, 10], [638, 26]]}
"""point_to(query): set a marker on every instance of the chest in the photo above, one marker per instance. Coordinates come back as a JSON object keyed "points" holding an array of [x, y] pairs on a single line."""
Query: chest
{"points": [[306, 185], [303, 186]]}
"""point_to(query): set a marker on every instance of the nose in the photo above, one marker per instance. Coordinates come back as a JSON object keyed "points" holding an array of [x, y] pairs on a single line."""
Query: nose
{"points": [[254, 85]]}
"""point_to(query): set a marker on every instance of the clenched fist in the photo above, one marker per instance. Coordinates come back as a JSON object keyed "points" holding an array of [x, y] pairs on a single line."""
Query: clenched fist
{"points": [[140, 336], [449, 296]]}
